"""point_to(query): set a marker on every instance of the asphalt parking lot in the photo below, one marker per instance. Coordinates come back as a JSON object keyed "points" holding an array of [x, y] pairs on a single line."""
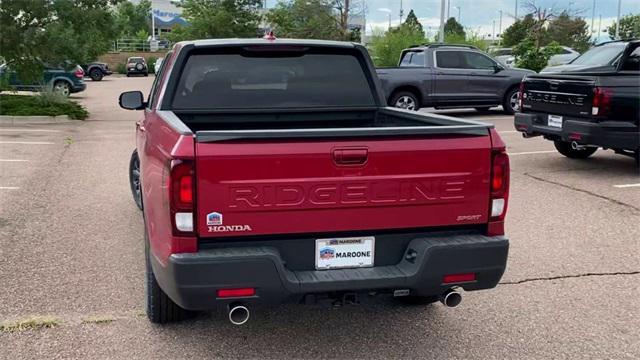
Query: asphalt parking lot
{"points": [[71, 247]]}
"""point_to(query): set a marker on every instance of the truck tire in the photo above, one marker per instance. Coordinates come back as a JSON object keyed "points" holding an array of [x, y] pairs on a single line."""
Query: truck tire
{"points": [[95, 74], [160, 308], [134, 179], [405, 100], [565, 149], [510, 102]]}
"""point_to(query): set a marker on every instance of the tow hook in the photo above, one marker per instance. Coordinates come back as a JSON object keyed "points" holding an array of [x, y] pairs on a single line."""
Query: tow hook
{"points": [[451, 298]]}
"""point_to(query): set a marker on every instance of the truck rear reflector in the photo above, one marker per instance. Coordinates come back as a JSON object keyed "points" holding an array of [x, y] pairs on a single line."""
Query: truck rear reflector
{"points": [[231, 293], [181, 191], [458, 278]]}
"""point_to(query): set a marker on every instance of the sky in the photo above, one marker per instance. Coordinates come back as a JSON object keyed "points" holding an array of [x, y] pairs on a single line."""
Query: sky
{"points": [[478, 15]]}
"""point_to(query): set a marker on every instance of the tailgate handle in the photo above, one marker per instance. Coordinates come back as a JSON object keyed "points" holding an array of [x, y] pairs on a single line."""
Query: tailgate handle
{"points": [[350, 156]]}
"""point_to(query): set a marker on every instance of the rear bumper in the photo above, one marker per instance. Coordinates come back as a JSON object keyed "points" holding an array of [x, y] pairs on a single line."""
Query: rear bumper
{"points": [[78, 87], [622, 135], [191, 280]]}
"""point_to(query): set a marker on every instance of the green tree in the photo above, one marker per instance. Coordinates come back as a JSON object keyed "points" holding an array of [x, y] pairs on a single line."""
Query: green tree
{"points": [[386, 47], [629, 27], [35, 32], [529, 56], [518, 31], [132, 18], [453, 27], [217, 19], [567, 31], [306, 19], [413, 23]]}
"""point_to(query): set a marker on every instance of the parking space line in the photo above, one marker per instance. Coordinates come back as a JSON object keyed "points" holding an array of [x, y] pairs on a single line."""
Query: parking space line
{"points": [[28, 130], [9, 188], [532, 152], [27, 142], [13, 160], [508, 131], [627, 185]]}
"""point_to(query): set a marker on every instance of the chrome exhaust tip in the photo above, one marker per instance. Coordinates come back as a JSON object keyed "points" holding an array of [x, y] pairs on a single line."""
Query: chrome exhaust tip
{"points": [[451, 298], [238, 314]]}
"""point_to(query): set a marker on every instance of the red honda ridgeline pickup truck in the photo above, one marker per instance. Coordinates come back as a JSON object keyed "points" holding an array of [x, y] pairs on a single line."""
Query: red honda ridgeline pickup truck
{"points": [[272, 171]]}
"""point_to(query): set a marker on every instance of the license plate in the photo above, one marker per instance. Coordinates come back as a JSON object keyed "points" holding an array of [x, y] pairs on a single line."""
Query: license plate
{"points": [[340, 253], [554, 121]]}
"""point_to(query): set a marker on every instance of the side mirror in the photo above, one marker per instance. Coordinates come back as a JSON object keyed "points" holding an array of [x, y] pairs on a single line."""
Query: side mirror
{"points": [[132, 100], [497, 68]]}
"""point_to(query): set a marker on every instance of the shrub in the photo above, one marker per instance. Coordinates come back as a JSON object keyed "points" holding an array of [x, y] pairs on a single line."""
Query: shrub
{"points": [[386, 47], [43, 104], [121, 68], [151, 63], [528, 56]]}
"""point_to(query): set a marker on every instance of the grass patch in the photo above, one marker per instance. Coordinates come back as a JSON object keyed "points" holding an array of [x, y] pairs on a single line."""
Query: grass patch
{"points": [[44, 104], [100, 319], [32, 323]]}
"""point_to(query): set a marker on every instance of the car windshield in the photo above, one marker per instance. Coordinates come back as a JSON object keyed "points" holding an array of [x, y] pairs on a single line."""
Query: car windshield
{"points": [[600, 55], [136, 60]]}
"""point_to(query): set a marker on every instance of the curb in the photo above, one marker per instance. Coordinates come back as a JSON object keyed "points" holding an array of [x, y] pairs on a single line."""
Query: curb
{"points": [[21, 120]]}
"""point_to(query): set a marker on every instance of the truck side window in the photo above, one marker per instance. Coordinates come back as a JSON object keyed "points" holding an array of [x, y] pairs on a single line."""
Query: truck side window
{"points": [[632, 63], [451, 59], [479, 61], [413, 59]]}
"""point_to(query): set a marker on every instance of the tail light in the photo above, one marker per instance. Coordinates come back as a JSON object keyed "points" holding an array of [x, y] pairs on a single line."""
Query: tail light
{"points": [[499, 192], [181, 193], [521, 95], [601, 104], [79, 73]]}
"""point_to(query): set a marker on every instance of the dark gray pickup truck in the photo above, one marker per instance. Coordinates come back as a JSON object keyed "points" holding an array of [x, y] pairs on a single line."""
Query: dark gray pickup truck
{"points": [[588, 107], [450, 76]]}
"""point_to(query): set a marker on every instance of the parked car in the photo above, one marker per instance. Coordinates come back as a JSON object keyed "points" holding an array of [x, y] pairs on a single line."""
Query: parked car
{"points": [[588, 107], [56, 78], [600, 57], [565, 56], [156, 66], [273, 171], [96, 70], [137, 65], [450, 76], [505, 56]]}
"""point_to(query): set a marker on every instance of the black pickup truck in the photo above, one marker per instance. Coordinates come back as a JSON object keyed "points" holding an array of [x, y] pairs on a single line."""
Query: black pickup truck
{"points": [[585, 109], [450, 76]]}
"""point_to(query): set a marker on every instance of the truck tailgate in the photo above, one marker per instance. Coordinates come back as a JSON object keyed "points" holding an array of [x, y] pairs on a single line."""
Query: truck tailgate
{"points": [[558, 94], [279, 186]]}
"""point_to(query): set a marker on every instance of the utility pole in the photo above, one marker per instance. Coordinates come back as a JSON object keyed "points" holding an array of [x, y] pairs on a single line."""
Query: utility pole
{"points": [[401, 12], [153, 26], [618, 21], [441, 33], [515, 14], [448, 9], [593, 16]]}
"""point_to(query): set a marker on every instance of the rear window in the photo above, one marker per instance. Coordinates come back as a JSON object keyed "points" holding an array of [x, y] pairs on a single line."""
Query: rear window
{"points": [[270, 80]]}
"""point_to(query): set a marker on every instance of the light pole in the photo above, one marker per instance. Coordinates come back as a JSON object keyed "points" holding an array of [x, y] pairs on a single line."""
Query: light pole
{"points": [[593, 15], [441, 32], [493, 31], [500, 27], [401, 12], [618, 21], [516, 10], [459, 19]]}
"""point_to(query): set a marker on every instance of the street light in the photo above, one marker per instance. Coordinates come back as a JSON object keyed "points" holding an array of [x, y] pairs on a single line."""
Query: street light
{"points": [[458, 7], [385, 10]]}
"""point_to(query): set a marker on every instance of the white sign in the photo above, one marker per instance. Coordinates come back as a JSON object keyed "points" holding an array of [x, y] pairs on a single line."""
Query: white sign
{"points": [[345, 252]]}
